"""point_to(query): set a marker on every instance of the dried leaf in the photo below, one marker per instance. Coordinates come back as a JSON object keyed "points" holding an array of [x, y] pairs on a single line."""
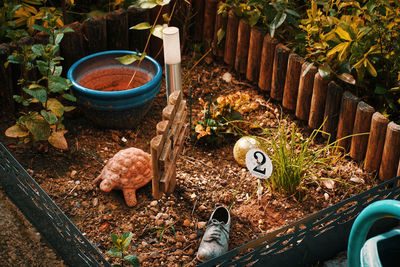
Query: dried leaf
{"points": [[16, 131], [57, 140], [330, 184]]}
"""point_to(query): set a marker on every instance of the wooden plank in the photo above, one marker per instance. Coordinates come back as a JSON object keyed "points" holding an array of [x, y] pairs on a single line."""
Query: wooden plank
{"points": [[267, 62], [210, 13], [376, 141], [332, 109], [94, 32], [279, 72], [362, 124], [305, 92], [155, 148], [162, 127], [117, 29], [316, 116], [242, 47], [175, 97], [292, 81], [254, 57], [346, 119], [220, 24], [391, 152], [231, 38]]}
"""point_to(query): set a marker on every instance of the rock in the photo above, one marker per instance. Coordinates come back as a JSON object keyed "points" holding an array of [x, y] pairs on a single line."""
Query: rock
{"points": [[73, 173], [164, 216], [180, 238], [201, 225], [178, 252], [186, 222], [202, 208], [77, 182], [95, 201], [357, 180], [242, 146], [193, 236], [227, 77], [330, 184], [190, 252], [326, 196], [127, 170], [178, 244], [154, 203], [159, 222], [144, 243]]}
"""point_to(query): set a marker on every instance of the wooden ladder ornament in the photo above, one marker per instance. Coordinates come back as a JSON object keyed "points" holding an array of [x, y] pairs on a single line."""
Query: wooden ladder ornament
{"points": [[168, 144]]}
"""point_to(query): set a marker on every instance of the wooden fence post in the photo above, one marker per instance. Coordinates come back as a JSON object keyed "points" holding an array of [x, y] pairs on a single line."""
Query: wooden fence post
{"points": [[376, 142], [279, 71], [220, 24], [267, 62], [7, 91], [242, 47], [210, 13], [305, 91], [198, 20], [137, 38], [253, 60], [94, 32], [293, 74], [362, 124], [391, 152], [117, 29], [318, 100], [231, 38], [332, 109], [71, 46], [346, 119]]}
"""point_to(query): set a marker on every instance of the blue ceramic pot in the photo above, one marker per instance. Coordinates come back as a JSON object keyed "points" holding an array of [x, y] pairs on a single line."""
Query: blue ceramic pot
{"points": [[115, 109]]}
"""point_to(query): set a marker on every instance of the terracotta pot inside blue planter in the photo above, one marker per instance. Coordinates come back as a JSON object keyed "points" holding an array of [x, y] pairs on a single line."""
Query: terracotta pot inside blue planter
{"points": [[100, 84]]}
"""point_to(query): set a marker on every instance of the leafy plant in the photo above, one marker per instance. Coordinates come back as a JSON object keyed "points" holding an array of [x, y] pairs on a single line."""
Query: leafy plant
{"points": [[121, 246], [357, 42], [293, 157], [42, 118], [217, 116], [160, 230]]}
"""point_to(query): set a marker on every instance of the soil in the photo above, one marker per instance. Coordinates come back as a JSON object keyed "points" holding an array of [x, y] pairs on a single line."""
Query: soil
{"points": [[167, 232], [114, 79]]}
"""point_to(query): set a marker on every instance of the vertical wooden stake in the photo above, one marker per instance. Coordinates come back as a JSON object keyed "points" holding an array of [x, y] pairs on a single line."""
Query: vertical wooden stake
{"points": [[346, 119], [293, 74], [210, 13], [305, 91], [242, 48], [231, 38], [332, 109], [71, 45], [267, 62], [6, 80], [362, 124], [391, 152], [137, 38], [117, 29], [253, 60], [279, 71], [220, 24], [94, 32], [198, 13], [376, 142], [318, 100]]}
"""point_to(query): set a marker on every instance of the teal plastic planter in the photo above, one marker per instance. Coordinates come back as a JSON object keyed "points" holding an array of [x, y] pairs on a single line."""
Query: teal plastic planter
{"points": [[114, 109]]}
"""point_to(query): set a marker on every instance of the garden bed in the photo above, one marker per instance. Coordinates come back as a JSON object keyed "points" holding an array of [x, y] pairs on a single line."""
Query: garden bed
{"points": [[206, 177]]}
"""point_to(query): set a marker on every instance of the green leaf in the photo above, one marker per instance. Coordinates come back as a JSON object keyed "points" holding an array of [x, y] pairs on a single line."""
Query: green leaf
{"points": [[39, 127], [309, 66], [55, 106], [38, 49], [370, 67], [58, 84], [127, 59], [69, 108], [42, 66], [292, 12], [69, 97], [277, 22], [127, 238], [133, 260], [114, 252], [324, 71], [220, 35], [343, 34], [380, 90], [162, 2], [141, 26], [114, 239], [37, 91], [63, 30], [49, 116], [41, 28], [157, 31], [59, 38], [17, 131]]}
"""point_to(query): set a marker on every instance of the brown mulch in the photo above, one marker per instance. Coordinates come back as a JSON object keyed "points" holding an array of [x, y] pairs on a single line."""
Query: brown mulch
{"points": [[206, 177]]}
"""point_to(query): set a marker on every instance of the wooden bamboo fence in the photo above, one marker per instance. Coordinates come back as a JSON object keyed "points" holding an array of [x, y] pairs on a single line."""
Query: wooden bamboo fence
{"points": [[272, 66]]}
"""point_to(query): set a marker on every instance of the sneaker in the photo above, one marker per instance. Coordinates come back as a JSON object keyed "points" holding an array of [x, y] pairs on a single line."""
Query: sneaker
{"points": [[215, 239]]}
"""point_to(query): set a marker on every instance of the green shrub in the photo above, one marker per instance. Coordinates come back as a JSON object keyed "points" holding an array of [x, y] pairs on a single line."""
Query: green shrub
{"points": [[121, 245]]}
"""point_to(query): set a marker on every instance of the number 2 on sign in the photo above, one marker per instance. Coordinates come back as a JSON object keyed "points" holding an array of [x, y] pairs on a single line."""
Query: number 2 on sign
{"points": [[258, 163]]}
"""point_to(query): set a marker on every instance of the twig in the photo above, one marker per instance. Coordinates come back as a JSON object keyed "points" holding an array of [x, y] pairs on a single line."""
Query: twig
{"points": [[70, 192], [194, 206]]}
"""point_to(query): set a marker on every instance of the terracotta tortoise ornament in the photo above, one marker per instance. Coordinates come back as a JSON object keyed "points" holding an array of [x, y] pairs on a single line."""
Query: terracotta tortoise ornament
{"points": [[127, 170]]}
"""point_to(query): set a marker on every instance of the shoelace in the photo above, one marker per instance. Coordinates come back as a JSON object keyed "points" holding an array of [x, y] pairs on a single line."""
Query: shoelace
{"points": [[221, 227]]}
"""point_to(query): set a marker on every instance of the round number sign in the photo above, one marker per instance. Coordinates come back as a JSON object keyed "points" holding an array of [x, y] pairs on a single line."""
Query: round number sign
{"points": [[258, 163]]}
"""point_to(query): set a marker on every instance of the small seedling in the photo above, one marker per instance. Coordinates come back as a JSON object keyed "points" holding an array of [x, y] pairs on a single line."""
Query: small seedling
{"points": [[161, 230], [121, 245]]}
